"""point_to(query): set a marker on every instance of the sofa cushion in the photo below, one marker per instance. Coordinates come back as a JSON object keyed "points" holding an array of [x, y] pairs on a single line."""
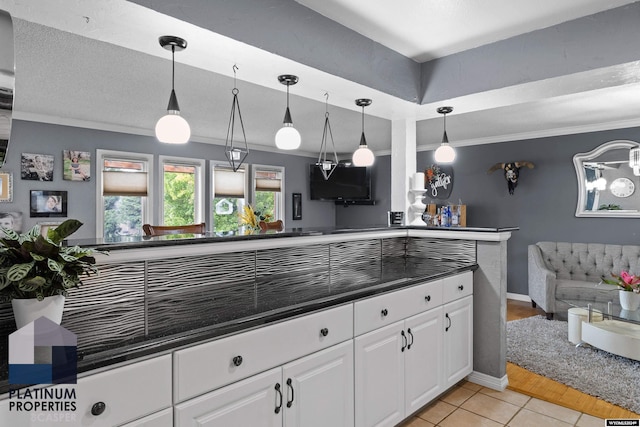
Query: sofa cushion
{"points": [[589, 262]]}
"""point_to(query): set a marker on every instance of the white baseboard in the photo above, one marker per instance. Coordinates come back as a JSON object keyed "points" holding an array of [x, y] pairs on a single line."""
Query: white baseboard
{"points": [[488, 381], [518, 297]]}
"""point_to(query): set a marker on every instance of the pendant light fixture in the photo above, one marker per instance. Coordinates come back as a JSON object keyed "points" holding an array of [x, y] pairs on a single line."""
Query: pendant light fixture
{"points": [[363, 156], [445, 153], [236, 154], [327, 166], [173, 128], [288, 138], [634, 160]]}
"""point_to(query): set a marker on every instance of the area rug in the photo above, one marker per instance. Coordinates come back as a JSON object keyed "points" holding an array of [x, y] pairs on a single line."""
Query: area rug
{"points": [[541, 346]]}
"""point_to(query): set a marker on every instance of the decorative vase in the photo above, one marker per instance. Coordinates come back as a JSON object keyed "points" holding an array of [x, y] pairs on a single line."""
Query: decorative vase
{"points": [[629, 300], [27, 310]]}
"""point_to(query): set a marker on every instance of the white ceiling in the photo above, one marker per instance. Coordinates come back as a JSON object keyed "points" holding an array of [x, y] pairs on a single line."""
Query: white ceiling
{"points": [[97, 64]]}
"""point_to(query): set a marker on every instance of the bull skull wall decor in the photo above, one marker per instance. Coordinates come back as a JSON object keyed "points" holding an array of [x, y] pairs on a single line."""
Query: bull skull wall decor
{"points": [[511, 172]]}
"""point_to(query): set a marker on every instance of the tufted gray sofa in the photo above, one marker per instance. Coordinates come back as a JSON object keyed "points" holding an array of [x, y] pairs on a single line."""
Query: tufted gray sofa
{"points": [[561, 270]]}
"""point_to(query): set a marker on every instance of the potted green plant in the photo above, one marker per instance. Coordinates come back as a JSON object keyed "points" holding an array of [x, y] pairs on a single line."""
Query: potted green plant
{"points": [[36, 272]]}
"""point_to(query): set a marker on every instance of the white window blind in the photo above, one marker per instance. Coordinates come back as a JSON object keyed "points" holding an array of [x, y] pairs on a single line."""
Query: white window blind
{"points": [[228, 183], [266, 184], [119, 183]]}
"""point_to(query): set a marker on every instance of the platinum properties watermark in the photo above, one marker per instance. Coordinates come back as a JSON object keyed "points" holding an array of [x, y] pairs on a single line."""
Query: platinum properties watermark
{"points": [[46, 405]]}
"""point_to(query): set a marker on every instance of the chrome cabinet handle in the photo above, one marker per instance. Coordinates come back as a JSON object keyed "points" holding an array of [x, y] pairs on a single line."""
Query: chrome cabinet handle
{"points": [[290, 402], [278, 405], [411, 335], [404, 341]]}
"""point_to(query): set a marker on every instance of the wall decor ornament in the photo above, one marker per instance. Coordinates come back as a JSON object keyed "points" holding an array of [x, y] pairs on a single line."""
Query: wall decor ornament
{"points": [[76, 165], [235, 150], [36, 167], [511, 172], [6, 187], [438, 180]]}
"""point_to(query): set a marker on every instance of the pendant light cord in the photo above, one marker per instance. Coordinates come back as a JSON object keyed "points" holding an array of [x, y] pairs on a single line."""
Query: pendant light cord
{"points": [[287, 95], [363, 119], [173, 66]]}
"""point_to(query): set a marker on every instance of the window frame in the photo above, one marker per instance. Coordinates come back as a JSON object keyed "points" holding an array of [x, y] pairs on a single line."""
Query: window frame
{"points": [[199, 203], [147, 202], [281, 199], [213, 164]]}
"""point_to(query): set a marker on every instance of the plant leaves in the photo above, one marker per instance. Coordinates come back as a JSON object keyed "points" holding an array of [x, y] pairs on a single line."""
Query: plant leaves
{"points": [[18, 272]]}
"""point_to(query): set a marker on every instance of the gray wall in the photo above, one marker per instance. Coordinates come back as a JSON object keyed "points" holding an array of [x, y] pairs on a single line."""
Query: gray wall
{"points": [[543, 205], [544, 202], [41, 138]]}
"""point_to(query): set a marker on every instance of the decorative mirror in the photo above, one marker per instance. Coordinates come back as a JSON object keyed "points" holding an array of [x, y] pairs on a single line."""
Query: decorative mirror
{"points": [[6, 82], [608, 180]]}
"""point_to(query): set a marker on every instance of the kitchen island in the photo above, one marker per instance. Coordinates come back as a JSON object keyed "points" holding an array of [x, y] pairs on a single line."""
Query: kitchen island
{"points": [[159, 295]]}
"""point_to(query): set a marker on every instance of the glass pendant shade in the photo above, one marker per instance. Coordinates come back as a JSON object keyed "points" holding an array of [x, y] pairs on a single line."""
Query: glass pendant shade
{"points": [[363, 156], [445, 152], [288, 138], [173, 128]]}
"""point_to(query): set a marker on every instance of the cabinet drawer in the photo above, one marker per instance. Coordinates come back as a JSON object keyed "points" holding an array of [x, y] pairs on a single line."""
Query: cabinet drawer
{"points": [[458, 286], [205, 367], [383, 310], [159, 419], [129, 392]]}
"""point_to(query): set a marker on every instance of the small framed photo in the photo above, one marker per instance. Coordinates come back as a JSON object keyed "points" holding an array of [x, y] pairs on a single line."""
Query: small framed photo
{"points": [[46, 226], [36, 167], [6, 187], [12, 221], [76, 165], [48, 203]]}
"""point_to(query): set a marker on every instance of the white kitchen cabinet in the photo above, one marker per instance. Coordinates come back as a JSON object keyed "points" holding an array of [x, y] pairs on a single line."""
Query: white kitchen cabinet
{"points": [[314, 391], [163, 418], [402, 366], [110, 398], [398, 369], [458, 340]]}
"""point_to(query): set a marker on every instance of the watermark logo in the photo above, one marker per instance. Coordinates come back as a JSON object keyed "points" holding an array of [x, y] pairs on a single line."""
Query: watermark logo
{"points": [[43, 352]]}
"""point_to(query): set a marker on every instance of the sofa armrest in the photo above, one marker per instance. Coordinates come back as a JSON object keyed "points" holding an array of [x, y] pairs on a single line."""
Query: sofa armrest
{"points": [[542, 281]]}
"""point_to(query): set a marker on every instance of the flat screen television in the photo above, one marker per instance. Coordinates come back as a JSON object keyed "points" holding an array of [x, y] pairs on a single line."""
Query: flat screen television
{"points": [[346, 183]]}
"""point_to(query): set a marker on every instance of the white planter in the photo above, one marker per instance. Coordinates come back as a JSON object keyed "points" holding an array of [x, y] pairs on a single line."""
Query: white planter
{"points": [[629, 300], [26, 311]]}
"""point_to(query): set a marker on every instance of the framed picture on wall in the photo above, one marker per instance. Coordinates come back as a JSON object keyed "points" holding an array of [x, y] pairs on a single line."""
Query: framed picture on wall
{"points": [[11, 221], [36, 167], [6, 187], [45, 203], [76, 165], [46, 226]]}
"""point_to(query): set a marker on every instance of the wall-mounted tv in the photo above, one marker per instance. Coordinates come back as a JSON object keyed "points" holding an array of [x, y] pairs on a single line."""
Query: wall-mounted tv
{"points": [[346, 183]]}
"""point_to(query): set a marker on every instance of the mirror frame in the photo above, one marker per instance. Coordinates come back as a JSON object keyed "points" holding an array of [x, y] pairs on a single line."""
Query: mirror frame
{"points": [[578, 161], [7, 80]]}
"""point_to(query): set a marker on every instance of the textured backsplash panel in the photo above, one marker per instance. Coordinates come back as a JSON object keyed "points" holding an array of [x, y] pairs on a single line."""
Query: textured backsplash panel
{"points": [[288, 276], [107, 309], [354, 264], [189, 292], [454, 252]]}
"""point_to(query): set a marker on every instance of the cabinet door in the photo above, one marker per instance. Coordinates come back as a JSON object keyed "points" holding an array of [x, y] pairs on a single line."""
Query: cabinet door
{"points": [[423, 359], [159, 419], [379, 374], [318, 389], [458, 340], [251, 402]]}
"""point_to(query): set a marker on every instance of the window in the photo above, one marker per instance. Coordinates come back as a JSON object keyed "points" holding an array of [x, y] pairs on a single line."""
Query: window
{"points": [[229, 190], [268, 190], [125, 193], [182, 190]]}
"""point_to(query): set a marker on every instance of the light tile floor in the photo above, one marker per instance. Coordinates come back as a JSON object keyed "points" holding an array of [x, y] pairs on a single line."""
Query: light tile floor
{"points": [[471, 405]]}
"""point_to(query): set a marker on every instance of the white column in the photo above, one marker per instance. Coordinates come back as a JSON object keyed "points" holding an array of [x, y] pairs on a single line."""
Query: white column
{"points": [[403, 165]]}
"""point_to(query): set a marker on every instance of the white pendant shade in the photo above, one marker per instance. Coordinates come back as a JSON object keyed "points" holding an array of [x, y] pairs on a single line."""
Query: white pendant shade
{"points": [[173, 129], [288, 138], [363, 156], [445, 154]]}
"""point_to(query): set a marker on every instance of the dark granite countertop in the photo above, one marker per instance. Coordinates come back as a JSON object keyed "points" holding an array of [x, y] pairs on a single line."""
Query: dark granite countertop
{"points": [[392, 279], [135, 242]]}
